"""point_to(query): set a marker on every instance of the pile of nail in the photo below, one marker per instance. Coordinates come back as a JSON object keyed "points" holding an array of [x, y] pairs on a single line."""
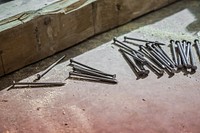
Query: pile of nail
{"points": [[152, 55], [183, 55], [85, 72]]}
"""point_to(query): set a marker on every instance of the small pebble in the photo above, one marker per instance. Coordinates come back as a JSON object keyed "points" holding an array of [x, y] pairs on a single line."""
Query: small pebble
{"points": [[4, 100]]}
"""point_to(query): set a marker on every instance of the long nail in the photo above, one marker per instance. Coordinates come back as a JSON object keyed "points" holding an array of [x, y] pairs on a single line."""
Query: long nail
{"points": [[184, 44], [93, 77], [180, 65], [182, 54], [174, 52], [141, 40], [188, 51], [76, 62], [197, 44], [35, 84], [194, 67], [115, 40], [49, 68], [93, 73]]}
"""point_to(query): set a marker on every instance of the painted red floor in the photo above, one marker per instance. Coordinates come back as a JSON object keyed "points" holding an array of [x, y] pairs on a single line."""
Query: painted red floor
{"points": [[150, 105]]}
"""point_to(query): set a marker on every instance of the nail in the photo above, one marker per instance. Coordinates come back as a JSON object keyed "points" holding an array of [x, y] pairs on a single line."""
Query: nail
{"points": [[93, 77], [184, 43], [38, 83], [98, 72], [182, 54], [188, 57], [76, 62], [194, 67], [93, 73], [174, 52], [115, 40], [188, 51], [141, 40], [196, 42], [39, 76], [180, 65]]}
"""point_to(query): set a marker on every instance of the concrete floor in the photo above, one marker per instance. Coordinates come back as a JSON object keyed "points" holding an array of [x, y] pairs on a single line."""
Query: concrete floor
{"points": [[154, 105]]}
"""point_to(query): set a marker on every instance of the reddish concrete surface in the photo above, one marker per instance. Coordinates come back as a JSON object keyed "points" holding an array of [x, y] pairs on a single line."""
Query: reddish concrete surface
{"points": [[149, 105]]}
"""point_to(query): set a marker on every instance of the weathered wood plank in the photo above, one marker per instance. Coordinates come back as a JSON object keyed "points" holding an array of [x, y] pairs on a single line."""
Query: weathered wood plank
{"points": [[112, 13], [1, 65], [44, 36], [18, 46], [106, 15]]}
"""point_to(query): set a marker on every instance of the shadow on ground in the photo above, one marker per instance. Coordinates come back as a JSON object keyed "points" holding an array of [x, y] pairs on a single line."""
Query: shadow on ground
{"points": [[153, 17], [4, 1]]}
